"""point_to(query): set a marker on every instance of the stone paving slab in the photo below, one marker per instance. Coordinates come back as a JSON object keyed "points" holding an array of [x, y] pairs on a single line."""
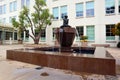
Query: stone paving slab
{"points": [[14, 70]]}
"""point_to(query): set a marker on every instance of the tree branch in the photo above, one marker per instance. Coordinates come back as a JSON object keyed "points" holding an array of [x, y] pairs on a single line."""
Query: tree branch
{"points": [[31, 25]]}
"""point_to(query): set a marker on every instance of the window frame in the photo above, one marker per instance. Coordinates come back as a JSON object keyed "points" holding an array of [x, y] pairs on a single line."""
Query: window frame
{"points": [[91, 14], [80, 12], [110, 33], [89, 39], [79, 33], [62, 14], [109, 9], [57, 14]]}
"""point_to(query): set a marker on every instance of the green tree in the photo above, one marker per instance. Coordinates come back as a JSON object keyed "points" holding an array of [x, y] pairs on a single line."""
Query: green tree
{"points": [[116, 31], [37, 20]]}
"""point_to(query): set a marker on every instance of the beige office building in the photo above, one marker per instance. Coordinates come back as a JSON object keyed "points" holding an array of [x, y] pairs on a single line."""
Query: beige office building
{"points": [[94, 18]]}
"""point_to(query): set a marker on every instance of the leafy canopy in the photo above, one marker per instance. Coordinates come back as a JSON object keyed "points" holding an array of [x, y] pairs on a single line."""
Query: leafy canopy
{"points": [[39, 19]]}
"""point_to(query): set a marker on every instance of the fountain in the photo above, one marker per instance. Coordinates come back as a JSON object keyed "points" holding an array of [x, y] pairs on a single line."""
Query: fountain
{"points": [[79, 59]]}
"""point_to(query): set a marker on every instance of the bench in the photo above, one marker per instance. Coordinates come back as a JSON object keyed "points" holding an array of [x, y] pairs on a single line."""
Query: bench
{"points": [[100, 45]]}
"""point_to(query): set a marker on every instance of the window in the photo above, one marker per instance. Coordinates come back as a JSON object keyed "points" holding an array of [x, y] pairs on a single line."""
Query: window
{"points": [[80, 31], [27, 3], [3, 9], [119, 6], [8, 35], [10, 18], [0, 9], [79, 10], [15, 35], [56, 13], [110, 6], [0, 34], [53, 30], [90, 9], [27, 35], [43, 35], [13, 6], [22, 3], [109, 34], [4, 20], [63, 10], [0, 20], [90, 33]]}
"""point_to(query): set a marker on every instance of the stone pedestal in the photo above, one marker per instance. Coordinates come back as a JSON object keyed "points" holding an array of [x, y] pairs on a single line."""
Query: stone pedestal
{"points": [[65, 36]]}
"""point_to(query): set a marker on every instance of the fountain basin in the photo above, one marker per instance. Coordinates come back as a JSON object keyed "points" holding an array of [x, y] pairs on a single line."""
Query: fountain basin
{"points": [[101, 62]]}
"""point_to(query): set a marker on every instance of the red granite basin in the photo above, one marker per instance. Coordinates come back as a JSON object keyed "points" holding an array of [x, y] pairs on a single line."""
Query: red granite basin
{"points": [[101, 62]]}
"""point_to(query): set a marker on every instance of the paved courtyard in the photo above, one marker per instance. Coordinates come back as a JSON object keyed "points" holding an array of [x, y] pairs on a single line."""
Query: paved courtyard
{"points": [[14, 70]]}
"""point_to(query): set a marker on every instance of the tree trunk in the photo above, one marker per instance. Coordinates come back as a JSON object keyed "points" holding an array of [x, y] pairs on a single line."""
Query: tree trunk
{"points": [[36, 41]]}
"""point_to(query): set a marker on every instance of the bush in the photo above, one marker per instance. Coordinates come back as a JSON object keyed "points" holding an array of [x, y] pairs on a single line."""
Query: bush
{"points": [[118, 45], [84, 38]]}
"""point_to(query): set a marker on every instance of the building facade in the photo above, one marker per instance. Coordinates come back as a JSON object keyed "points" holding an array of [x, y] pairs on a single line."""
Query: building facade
{"points": [[10, 9], [93, 18]]}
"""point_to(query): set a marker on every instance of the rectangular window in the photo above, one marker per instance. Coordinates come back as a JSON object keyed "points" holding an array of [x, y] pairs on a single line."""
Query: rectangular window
{"points": [[11, 6], [79, 9], [15, 35], [0, 34], [109, 34], [53, 30], [90, 8], [43, 35], [56, 13], [0, 20], [80, 31], [119, 6], [14, 17], [90, 32], [110, 6], [8, 35], [4, 10], [22, 3], [25, 3], [14, 5], [28, 3], [63, 11], [4, 20], [0, 9], [10, 19], [27, 35]]}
